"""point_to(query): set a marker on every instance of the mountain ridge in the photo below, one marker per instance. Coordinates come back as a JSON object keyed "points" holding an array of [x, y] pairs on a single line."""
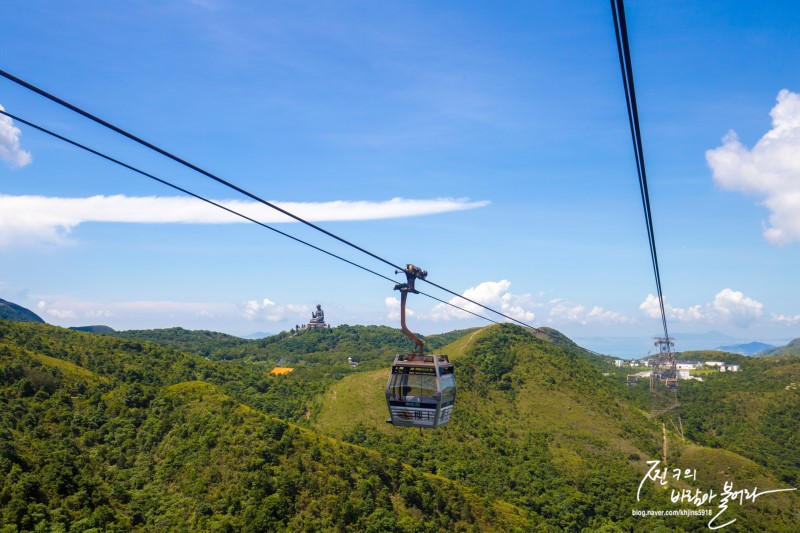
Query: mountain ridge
{"points": [[541, 421], [791, 349], [17, 313], [749, 348], [540, 438], [97, 446]]}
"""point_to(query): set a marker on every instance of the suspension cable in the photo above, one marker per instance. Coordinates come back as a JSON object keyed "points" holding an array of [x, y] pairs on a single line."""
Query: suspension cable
{"points": [[185, 163], [220, 206], [623, 48], [208, 174]]}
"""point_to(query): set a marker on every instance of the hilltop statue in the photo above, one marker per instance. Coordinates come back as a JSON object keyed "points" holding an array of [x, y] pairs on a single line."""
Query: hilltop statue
{"points": [[317, 318]]}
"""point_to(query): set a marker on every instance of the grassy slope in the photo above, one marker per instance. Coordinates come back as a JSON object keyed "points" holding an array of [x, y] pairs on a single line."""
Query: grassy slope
{"points": [[187, 457], [792, 349], [323, 346], [551, 436], [360, 398], [552, 397]]}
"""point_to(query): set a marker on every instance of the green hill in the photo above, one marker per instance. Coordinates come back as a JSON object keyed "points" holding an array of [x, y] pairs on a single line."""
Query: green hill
{"points": [[99, 433], [17, 313], [371, 346], [791, 349], [102, 434], [539, 426], [753, 412], [94, 329]]}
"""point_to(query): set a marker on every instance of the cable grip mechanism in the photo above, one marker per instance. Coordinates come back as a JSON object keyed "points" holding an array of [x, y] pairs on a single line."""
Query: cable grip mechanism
{"points": [[412, 273]]}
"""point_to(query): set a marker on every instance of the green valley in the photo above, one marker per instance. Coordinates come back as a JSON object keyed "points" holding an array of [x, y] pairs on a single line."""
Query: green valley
{"points": [[108, 433]]}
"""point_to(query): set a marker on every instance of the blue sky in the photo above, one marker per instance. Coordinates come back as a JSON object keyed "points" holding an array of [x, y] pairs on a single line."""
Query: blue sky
{"points": [[485, 143]]}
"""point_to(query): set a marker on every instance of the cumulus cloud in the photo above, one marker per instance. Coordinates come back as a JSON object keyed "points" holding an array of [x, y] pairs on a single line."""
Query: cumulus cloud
{"points": [[62, 314], [493, 294], [770, 170], [785, 319], [562, 311], [26, 219], [728, 307], [271, 311], [393, 308], [71, 310], [10, 149]]}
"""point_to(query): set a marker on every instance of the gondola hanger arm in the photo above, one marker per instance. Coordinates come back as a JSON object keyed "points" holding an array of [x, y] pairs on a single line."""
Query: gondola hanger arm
{"points": [[412, 273]]}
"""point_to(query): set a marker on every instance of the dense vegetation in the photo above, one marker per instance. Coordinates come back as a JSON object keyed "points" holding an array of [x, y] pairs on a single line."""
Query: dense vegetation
{"points": [[102, 433], [538, 426], [374, 346], [791, 349], [754, 412], [17, 313]]}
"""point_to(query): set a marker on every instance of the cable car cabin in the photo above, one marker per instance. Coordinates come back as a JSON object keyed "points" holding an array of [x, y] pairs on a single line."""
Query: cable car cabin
{"points": [[672, 384], [421, 391]]}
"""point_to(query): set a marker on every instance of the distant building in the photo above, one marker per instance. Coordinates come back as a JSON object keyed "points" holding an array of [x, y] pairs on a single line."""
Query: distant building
{"points": [[352, 363], [688, 365], [729, 368], [619, 362], [714, 363]]}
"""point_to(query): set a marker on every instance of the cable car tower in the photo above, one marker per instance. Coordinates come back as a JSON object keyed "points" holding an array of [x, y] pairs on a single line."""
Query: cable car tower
{"points": [[421, 390], [663, 378], [664, 386]]}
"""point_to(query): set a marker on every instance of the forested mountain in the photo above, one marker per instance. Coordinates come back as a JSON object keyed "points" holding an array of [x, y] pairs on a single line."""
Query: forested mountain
{"points": [[94, 329], [754, 412], [540, 427], [99, 433], [793, 348], [102, 434], [17, 313], [750, 348], [365, 344]]}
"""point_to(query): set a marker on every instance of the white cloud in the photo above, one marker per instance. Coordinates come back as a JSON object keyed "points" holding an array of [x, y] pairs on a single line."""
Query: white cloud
{"points": [[562, 311], [728, 307], [10, 149], [771, 170], [735, 307], [62, 314], [651, 308], [73, 311], [493, 294], [40, 219], [393, 309], [270, 311], [786, 320]]}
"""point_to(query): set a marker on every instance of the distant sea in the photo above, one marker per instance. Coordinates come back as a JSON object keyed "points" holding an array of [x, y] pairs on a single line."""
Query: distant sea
{"points": [[621, 347], [639, 347]]}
